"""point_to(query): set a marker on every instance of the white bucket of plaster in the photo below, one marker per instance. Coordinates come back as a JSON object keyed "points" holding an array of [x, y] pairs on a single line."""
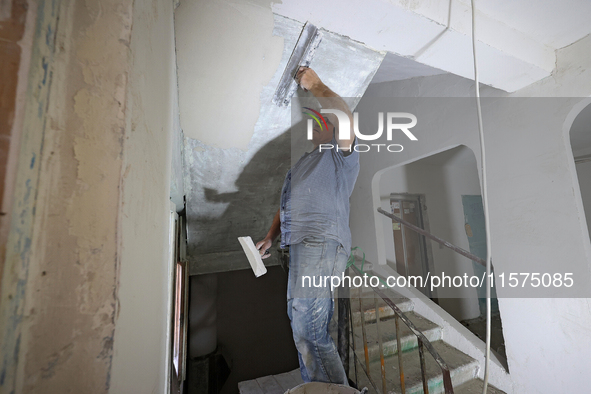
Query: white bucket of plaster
{"points": [[322, 388]]}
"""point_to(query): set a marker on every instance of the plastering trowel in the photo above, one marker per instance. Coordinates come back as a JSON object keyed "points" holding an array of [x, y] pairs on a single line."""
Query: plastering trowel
{"points": [[300, 57], [254, 257]]}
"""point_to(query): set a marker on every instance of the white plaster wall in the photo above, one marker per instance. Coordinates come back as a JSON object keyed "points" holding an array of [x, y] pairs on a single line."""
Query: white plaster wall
{"points": [[366, 191], [561, 364], [443, 185], [140, 353], [570, 77], [531, 168], [226, 55], [584, 176]]}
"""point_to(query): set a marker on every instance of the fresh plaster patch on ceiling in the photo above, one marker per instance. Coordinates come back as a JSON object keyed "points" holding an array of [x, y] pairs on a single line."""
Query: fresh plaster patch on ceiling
{"points": [[233, 192]]}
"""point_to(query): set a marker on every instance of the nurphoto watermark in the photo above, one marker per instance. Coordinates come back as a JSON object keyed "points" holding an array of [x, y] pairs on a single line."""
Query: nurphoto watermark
{"points": [[393, 124]]}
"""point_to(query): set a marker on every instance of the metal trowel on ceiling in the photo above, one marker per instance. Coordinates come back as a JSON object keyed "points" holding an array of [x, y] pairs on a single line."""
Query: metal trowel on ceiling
{"points": [[300, 57]]}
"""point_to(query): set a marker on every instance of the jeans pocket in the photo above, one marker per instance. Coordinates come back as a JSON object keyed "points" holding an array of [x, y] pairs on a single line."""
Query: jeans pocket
{"points": [[342, 251], [313, 242]]}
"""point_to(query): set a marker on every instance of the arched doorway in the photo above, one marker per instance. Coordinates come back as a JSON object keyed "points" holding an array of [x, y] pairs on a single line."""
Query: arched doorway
{"points": [[580, 139]]}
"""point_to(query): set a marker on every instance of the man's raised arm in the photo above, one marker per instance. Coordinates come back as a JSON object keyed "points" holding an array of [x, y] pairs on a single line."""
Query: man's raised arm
{"points": [[309, 80]]}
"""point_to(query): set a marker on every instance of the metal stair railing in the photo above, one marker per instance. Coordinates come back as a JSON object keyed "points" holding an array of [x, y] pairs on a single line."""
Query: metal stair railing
{"points": [[435, 238], [422, 341]]}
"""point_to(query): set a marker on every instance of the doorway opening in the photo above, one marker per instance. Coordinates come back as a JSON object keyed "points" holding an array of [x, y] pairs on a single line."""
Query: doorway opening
{"points": [[580, 140], [441, 194], [412, 256]]}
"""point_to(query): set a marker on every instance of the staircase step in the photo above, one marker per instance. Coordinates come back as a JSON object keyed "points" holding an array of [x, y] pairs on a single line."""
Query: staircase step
{"points": [[388, 328], [272, 384], [367, 289], [475, 387], [368, 305], [463, 368]]}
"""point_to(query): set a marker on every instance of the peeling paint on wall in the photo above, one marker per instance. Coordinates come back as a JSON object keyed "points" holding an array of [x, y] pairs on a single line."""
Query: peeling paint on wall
{"points": [[64, 253], [18, 248]]}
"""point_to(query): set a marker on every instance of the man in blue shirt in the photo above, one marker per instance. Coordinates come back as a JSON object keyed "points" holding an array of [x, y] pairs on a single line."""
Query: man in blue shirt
{"points": [[313, 218]]}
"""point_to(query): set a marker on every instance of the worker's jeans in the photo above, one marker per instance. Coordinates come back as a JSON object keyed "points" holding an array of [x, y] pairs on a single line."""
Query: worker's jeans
{"points": [[310, 308]]}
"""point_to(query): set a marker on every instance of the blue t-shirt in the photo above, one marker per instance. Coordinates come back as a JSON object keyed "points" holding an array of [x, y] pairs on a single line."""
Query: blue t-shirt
{"points": [[315, 196]]}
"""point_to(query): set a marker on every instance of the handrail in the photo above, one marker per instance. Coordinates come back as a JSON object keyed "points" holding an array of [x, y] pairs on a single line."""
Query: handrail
{"points": [[435, 238], [447, 384], [422, 341]]}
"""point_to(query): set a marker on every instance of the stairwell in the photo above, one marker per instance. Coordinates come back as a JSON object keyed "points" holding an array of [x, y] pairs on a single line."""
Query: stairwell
{"points": [[463, 368]]}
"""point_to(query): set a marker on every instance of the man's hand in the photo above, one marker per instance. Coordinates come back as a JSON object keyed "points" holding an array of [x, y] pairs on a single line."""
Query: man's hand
{"points": [[263, 246], [308, 79]]}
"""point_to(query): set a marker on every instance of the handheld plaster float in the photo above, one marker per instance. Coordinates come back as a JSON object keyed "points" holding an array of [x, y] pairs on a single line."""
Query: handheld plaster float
{"points": [[254, 257], [301, 56]]}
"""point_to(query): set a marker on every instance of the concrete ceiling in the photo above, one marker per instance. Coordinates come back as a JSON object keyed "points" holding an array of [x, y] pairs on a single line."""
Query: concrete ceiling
{"points": [[555, 23], [516, 40], [397, 68]]}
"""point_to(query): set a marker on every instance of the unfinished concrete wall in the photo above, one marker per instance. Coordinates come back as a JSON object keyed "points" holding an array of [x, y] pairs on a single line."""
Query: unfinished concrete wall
{"points": [[61, 265], [16, 33], [13, 15], [92, 191]]}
